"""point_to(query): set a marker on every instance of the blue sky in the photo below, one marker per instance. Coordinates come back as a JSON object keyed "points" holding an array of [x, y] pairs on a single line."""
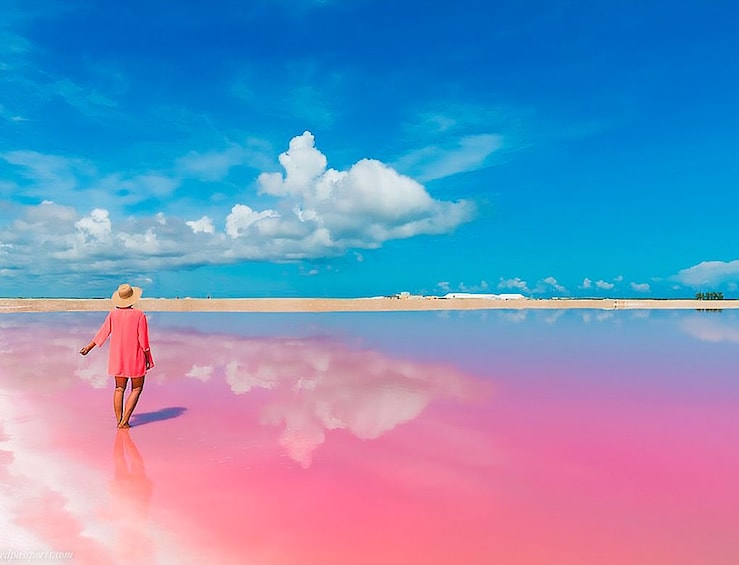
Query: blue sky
{"points": [[358, 148]]}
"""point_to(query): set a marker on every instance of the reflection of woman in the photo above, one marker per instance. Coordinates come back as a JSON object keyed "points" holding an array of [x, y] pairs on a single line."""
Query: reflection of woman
{"points": [[130, 356], [130, 494], [131, 486]]}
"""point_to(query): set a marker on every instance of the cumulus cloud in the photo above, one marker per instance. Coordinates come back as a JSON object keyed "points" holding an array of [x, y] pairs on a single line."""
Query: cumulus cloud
{"points": [[550, 283], [640, 287], [242, 218], [586, 283], [319, 212], [50, 238], [481, 287], [203, 225], [362, 207], [709, 273], [543, 286], [604, 285], [97, 225], [514, 284]]}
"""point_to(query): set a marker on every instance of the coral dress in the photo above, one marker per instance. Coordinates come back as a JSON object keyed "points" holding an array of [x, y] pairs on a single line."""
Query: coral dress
{"points": [[129, 338]]}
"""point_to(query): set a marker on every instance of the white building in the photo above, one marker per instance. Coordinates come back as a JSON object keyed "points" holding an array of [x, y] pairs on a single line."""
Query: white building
{"points": [[489, 296]]}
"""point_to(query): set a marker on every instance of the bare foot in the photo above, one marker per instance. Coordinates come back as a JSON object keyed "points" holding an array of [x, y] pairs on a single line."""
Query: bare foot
{"points": [[124, 426]]}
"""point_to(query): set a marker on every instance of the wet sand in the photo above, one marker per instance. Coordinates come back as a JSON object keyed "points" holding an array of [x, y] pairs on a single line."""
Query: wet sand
{"points": [[382, 304]]}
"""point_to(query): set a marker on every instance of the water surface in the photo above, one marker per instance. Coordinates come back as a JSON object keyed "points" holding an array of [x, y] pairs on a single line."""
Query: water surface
{"points": [[515, 437]]}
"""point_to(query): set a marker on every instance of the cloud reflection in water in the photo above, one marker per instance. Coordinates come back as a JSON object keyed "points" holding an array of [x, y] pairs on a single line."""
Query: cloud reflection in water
{"points": [[317, 385]]}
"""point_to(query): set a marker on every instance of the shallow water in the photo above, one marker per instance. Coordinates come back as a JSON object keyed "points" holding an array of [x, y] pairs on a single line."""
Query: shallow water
{"points": [[512, 437]]}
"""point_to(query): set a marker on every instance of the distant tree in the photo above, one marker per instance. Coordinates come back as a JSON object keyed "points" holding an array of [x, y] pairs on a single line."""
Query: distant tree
{"points": [[712, 295]]}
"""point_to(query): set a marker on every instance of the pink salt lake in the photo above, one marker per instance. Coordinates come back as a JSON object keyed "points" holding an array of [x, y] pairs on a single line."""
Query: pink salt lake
{"points": [[515, 438]]}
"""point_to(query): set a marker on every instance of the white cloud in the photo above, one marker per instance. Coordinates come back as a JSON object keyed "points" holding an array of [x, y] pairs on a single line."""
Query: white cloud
{"points": [[362, 207], [601, 284], [543, 286], [709, 273], [242, 218], [48, 174], [550, 283], [88, 101], [50, 238], [468, 154], [319, 213], [203, 225], [640, 287], [96, 227], [73, 180], [515, 283], [303, 164], [482, 286]]}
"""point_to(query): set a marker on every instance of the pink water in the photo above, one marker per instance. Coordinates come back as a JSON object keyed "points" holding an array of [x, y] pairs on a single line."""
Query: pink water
{"points": [[512, 438]]}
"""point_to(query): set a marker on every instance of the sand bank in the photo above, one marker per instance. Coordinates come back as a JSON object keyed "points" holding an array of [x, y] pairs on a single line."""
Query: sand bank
{"points": [[353, 304]]}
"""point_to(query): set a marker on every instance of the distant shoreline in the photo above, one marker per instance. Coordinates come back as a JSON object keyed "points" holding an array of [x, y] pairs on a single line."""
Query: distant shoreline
{"points": [[379, 304]]}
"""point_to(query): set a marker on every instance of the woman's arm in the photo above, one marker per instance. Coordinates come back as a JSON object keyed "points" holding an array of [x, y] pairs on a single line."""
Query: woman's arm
{"points": [[143, 336], [103, 333], [149, 359], [87, 348]]}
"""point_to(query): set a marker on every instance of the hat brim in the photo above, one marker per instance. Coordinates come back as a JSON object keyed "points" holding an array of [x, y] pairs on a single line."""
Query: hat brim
{"points": [[125, 302]]}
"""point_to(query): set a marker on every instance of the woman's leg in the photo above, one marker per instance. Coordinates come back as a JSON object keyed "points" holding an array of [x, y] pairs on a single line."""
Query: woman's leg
{"points": [[137, 385], [120, 387]]}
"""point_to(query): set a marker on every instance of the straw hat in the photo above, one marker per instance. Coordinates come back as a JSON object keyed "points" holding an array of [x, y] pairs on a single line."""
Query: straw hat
{"points": [[126, 295]]}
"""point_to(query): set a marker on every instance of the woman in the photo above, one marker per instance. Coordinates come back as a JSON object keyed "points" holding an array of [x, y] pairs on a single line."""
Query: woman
{"points": [[130, 356]]}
